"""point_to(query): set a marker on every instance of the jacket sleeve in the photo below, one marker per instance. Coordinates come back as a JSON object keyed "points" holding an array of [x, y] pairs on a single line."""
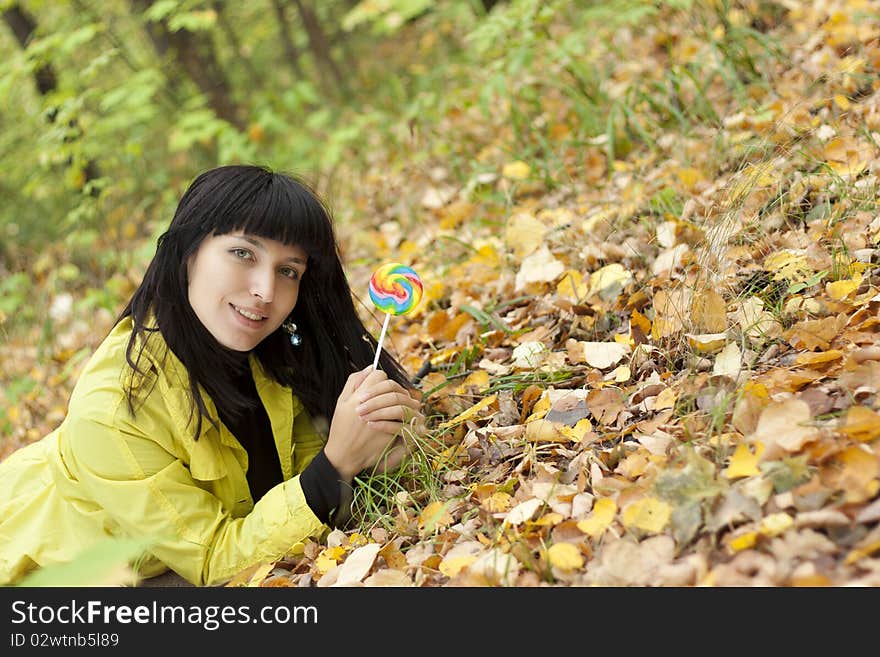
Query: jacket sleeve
{"points": [[147, 491]]}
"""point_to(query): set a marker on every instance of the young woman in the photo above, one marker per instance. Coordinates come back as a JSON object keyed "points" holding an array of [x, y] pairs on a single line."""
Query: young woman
{"points": [[226, 414]]}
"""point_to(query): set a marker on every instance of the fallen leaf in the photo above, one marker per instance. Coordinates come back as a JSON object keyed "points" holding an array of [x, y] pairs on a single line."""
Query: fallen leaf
{"points": [[861, 424], [648, 514], [709, 312], [609, 281], [434, 516], [728, 362], [604, 510], [600, 355], [540, 267], [784, 426], [516, 170], [565, 556], [853, 471], [357, 565], [840, 290], [523, 511], [470, 413], [524, 234], [744, 462]]}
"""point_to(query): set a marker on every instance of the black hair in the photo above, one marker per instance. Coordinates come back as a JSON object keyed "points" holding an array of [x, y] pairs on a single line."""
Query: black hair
{"points": [[277, 206]]}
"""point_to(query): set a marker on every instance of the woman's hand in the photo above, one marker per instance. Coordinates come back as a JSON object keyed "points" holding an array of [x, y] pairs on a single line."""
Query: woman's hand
{"points": [[370, 412]]}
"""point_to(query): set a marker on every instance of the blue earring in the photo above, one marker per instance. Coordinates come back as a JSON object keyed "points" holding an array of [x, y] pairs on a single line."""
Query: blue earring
{"points": [[290, 327]]}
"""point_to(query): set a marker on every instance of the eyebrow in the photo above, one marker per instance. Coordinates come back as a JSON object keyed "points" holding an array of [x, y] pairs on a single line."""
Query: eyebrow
{"points": [[260, 246]]}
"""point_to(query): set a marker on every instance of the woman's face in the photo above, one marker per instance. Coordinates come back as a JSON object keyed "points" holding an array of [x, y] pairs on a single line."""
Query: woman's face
{"points": [[242, 287]]}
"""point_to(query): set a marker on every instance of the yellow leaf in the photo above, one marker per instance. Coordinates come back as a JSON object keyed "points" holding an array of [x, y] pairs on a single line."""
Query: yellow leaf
{"points": [[498, 502], [853, 471], [839, 290], [666, 399], [744, 541], [810, 358], [603, 514], [789, 264], [744, 463], [622, 373], [516, 170], [470, 413], [848, 156], [609, 281], [542, 431], [565, 556], [861, 552], [689, 177], [862, 424], [434, 516], [478, 379], [540, 409], [524, 234], [842, 101], [571, 286], [452, 566], [648, 514], [640, 322], [775, 524], [329, 558], [455, 213], [707, 343], [578, 431]]}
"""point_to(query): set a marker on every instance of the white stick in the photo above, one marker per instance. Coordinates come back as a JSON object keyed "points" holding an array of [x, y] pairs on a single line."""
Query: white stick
{"points": [[381, 338]]}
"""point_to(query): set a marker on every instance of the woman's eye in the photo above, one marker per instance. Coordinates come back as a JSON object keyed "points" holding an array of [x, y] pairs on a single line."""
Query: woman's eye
{"points": [[290, 272], [241, 253]]}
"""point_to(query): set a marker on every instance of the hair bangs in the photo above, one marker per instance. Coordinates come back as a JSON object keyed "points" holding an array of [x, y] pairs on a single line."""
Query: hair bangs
{"points": [[283, 210]]}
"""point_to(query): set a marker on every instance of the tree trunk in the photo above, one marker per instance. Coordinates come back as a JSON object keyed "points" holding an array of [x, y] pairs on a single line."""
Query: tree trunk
{"points": [[23, 26], [225, 25], [319, 45], [290, 49], [195, 54]]}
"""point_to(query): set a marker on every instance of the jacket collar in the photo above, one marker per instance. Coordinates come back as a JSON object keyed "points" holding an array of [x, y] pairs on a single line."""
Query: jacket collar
{"points": [[281, 405]]}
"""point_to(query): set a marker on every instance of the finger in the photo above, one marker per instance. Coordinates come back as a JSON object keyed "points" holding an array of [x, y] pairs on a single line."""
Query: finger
{"points": [[397, 413], [371, 388], [388, 427], [372, 378], [353, 382], [388, 400]]}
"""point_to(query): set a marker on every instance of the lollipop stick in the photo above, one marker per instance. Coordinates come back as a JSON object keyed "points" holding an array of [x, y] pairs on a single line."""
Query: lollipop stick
{"points": [[381, 338]]}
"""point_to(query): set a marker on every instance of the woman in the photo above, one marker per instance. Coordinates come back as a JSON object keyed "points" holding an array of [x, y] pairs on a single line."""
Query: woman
{"points": [[199, 423]]}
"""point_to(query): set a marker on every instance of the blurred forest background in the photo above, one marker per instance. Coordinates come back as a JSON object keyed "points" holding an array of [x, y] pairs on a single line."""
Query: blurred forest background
{"points": [[392, 109], [648, 231]]}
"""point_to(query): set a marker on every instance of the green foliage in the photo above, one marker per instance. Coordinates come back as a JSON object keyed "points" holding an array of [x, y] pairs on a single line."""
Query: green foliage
{"points": [[385, 16], [104, 564]]}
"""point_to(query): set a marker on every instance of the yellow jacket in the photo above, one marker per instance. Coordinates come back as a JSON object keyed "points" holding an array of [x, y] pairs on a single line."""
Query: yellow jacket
{"points": [[103, 473]]}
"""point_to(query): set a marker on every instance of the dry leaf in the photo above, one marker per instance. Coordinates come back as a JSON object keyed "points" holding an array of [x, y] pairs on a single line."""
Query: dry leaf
{"points": [[540, 267], [784, 427], [565, 556], [357, 565], [648, 514], [744, 462], [604, 510]]}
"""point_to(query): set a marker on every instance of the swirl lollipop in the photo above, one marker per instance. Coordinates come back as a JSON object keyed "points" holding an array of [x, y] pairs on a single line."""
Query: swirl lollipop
{"points": [[395, 289]]}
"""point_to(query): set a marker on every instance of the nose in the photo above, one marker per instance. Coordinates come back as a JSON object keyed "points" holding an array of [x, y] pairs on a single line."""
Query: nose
{"points": [[263, 285]]}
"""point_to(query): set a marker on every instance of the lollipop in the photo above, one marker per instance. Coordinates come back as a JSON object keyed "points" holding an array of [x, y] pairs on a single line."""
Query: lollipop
{"points": [[395, 289]]}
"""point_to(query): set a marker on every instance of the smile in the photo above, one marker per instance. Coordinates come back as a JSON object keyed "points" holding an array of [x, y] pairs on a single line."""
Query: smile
{"points": [[255, 317]]}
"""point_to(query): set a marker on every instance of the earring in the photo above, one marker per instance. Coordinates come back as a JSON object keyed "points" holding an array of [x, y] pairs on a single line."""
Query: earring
{"points": [[290, 327]]}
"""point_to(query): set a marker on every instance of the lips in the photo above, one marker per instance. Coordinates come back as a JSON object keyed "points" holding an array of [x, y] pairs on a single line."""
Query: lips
{"points": [[244, 320]]}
